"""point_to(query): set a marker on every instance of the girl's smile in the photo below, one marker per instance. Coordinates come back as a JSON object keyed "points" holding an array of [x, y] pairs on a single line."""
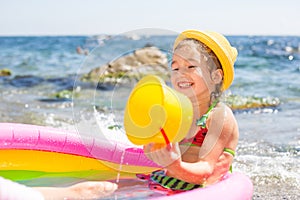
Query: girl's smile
{"points": [[185, 84]]}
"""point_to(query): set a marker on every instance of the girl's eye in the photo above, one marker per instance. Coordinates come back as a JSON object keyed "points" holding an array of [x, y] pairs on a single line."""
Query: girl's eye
{"points": [[189, 67]]}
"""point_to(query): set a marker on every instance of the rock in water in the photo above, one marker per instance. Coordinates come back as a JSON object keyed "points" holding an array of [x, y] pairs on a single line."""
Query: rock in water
{"points": [[147, 60]]}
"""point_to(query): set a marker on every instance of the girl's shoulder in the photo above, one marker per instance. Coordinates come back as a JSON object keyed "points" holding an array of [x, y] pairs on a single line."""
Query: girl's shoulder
{"points": [[221, 107], [220, 112], [223, 115]]}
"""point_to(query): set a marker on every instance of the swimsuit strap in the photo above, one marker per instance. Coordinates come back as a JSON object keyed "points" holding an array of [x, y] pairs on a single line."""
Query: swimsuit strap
{"points": [[202, 120], [198, 139]]}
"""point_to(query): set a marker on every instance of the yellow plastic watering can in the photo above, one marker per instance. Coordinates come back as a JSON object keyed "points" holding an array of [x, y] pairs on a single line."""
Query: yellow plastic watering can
{"points": [[155, 113]]}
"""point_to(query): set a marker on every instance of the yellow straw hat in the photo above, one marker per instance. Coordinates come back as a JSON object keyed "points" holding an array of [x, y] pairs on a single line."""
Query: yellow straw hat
{"points": [[220, 46]]}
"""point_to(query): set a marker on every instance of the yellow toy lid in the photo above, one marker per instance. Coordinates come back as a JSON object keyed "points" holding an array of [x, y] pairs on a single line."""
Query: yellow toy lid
{"points": [[156, 113]]}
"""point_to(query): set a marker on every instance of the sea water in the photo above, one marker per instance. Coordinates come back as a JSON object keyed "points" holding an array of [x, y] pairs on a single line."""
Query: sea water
{"points": [[267, 66]]}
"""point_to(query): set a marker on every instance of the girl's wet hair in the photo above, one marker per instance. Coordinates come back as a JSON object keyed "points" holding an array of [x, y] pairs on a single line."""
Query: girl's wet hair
{"points": [[212, 59]]}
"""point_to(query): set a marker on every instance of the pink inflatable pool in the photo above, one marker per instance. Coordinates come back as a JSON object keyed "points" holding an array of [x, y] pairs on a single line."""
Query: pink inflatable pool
{"points": [[32, 152]]}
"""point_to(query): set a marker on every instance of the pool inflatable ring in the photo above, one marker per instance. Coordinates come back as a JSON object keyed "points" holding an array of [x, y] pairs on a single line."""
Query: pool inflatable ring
{"points": [[31, 152]]}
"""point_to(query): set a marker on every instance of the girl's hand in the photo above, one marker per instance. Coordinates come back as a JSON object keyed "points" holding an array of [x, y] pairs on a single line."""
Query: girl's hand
{"points": [[222, 167], [163, 155]]}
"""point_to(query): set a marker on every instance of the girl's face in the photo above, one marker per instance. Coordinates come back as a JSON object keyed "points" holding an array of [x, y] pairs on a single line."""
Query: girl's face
{"points": [[190, 73]]}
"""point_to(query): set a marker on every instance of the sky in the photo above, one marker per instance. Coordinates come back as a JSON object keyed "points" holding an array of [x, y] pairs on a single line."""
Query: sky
{"points": [[95, 17]]}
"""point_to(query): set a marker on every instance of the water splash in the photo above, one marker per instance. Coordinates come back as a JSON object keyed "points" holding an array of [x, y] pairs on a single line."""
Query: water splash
{"points": [[270, 166], [110, 128], [120, 168]]}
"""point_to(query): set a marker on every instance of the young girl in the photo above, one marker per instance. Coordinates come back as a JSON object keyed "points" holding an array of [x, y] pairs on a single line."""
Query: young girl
{"points": [[202, 67]]}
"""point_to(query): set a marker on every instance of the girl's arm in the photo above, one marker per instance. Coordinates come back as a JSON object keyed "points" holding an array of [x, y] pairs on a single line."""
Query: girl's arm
{"points": [[212, 161]]}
